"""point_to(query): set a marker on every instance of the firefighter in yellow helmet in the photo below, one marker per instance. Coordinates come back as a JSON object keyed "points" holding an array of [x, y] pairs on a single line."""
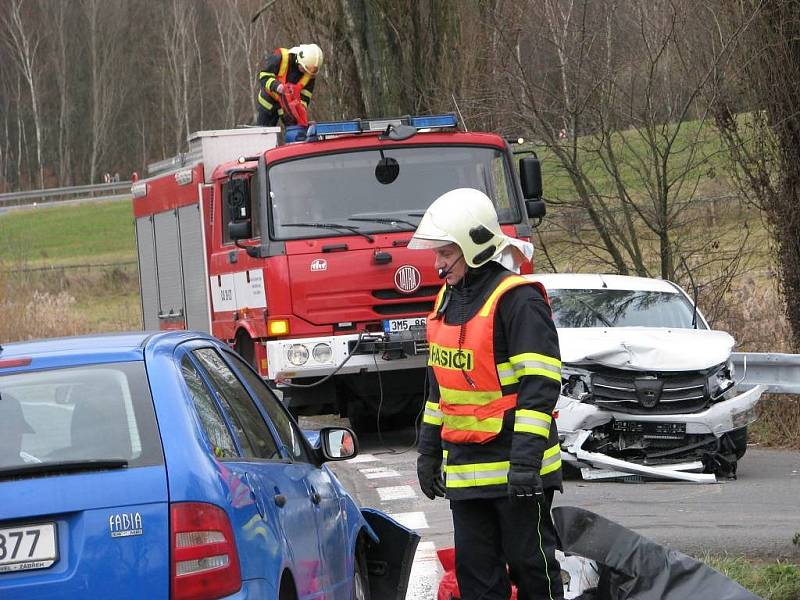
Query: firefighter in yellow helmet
{"points": [[297, 66], [489, 441]]}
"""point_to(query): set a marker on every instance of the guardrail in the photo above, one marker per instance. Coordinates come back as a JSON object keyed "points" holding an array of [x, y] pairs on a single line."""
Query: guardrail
{"points": [[779, 372], [96, 192]]}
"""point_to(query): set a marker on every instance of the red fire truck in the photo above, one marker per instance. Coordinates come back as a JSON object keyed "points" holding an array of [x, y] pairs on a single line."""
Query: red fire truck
{"points": [[296, 253]]}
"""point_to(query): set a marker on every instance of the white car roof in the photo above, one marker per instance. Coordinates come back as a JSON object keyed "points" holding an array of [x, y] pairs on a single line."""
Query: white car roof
{"points": [[592, 281]]}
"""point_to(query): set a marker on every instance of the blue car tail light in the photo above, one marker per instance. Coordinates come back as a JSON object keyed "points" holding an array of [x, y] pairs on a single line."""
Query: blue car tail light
{"points": [[205, 563]]}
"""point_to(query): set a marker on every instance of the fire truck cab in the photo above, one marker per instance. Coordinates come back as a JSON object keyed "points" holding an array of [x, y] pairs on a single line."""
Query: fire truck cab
{"points": [[296, 253]]}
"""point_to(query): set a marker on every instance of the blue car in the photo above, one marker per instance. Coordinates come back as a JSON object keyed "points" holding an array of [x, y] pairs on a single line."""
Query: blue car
{"points": [[154, 466]]}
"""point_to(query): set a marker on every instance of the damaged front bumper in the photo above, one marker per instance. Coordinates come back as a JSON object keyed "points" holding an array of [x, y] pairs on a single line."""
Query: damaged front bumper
{"points": [[576, 421]]}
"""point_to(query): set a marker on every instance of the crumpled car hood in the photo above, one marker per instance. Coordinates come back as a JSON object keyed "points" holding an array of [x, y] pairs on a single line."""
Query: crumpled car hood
{"points": [[645, 348]]}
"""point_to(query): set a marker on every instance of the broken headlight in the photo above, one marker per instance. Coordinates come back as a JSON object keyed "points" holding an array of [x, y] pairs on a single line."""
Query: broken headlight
{"points": [[720, 382], [576, 383]]}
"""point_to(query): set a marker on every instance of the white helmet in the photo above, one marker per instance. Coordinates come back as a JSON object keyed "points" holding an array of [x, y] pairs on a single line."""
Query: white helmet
{"points": [[465, 217], [309, 57]]}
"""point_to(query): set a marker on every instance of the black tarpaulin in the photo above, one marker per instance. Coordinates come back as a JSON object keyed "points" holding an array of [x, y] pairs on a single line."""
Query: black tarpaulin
{"points": [[636, 568]]}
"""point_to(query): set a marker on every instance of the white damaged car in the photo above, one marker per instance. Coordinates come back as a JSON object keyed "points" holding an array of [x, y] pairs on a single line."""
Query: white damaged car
{"points": [[648, 388]]}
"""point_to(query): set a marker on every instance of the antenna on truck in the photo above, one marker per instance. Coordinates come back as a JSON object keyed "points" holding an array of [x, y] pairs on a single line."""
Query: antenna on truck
{"points": [[695, 293], [460, 116]]}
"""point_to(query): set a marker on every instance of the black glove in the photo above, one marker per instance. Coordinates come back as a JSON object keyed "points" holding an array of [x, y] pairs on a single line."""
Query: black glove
{"points": [[429, 473], [524, 484]]}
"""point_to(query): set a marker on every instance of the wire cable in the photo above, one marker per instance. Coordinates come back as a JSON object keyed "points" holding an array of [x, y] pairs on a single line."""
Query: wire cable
{"points": [[387, 449]]}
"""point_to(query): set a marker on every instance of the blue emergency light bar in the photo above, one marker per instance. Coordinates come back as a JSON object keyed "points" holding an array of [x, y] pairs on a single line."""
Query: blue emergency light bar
{"points": [[317, 130]]}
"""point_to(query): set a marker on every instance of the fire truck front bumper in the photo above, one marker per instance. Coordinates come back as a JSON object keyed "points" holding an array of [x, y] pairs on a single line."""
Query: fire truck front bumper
{"points": [[346, 354]]}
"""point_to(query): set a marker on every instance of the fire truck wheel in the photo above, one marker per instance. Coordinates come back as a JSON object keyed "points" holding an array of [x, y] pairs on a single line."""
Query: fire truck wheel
{"points": [[246, 348], [362, 420]]}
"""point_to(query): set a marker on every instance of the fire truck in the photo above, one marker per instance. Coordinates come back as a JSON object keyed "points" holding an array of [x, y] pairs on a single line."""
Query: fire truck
{"points": [[295, 253]]}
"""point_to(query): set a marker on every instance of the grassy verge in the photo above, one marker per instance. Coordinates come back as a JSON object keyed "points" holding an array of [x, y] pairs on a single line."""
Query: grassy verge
{"points": [[92, 232], [770, 581]]}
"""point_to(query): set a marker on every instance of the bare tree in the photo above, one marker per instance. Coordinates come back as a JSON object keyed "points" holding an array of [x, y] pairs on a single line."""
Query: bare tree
{"points": [[612, 92], [105, 20], [179, 23], [22, 38], [764, 81], [61, 72]]}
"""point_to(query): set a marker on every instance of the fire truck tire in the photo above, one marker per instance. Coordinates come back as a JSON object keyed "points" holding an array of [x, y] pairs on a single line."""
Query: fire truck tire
{"points": [[361, 420], [246, 348]]}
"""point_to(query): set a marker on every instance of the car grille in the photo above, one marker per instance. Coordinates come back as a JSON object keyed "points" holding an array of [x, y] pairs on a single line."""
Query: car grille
{"points": [[637, 393]]}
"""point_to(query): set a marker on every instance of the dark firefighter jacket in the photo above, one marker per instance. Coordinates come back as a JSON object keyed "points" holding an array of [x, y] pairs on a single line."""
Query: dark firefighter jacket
{"points": [[523, 326], [269, 80]]}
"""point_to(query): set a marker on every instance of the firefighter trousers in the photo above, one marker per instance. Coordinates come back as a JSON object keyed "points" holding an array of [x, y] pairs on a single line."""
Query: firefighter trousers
{"points": [[267, 118], [493, 533]]}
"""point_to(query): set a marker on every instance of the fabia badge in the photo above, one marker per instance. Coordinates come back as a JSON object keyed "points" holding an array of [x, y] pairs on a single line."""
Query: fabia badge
{"points": [[320, 264], [125, 524], [407, 279]]}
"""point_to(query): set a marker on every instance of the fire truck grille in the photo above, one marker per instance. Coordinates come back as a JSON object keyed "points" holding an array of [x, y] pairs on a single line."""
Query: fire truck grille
{"points": [[427, 290], [679, 392], [404, 308]]}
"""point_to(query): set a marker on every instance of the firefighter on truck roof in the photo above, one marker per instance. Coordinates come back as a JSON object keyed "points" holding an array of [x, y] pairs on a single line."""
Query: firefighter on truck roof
{"points": [[296, 67], [489, 441]]}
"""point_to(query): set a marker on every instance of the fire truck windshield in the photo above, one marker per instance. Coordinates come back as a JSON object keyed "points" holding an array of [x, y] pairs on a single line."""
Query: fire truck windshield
{"points": [[349, 187]]}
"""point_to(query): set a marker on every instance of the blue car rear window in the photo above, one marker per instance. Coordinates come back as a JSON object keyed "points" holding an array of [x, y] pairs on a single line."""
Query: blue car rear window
{"points": [[90, 412]]}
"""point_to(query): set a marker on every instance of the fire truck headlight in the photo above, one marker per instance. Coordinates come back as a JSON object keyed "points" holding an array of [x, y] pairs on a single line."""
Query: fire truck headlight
{"points": [[297, 354], [322, 353]]}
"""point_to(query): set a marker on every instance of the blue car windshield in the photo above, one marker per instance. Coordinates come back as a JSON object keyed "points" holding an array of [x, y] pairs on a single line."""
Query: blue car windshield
{"points": [[621, 308], [84, 413], [381, 191]]}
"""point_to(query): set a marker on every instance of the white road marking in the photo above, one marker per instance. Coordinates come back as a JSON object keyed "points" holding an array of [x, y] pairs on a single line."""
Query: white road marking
{"points": [[426, 572], [362, 458], [379, 473], [397, 492], [412, 520]]}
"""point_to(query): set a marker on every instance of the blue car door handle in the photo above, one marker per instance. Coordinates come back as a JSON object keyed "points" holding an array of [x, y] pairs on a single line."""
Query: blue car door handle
{"points": [[315, 497]]}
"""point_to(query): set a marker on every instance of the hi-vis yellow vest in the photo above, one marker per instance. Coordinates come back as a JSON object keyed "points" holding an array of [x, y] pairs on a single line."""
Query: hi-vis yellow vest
{"points": [[472, 400], [283, 70]]}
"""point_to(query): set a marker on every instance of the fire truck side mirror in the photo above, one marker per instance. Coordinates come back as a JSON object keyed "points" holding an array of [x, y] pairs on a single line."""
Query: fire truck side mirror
{"points": [[237, 202], [237, 198], [536, 209], [240, 230], [530, 177]]}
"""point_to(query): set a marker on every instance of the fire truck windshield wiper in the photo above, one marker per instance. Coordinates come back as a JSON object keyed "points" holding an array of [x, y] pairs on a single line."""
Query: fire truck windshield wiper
{"points": [[352, 228], [387, 220]]}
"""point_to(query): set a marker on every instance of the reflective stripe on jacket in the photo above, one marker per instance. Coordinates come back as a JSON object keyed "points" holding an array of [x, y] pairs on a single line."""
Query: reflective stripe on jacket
{"points": [[474, 394], [521, 348], [268, 76]]}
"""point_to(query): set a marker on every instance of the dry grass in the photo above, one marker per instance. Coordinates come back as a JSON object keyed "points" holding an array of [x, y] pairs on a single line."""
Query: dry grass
{"points": [[59, 302]]}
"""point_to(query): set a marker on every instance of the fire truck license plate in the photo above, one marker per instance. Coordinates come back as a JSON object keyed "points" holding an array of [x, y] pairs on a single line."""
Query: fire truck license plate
{"points": [[28, 547], [397, 325]]}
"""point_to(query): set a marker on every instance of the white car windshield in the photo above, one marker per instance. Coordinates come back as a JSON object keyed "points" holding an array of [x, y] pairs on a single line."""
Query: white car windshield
{"points": [[621, 308]]}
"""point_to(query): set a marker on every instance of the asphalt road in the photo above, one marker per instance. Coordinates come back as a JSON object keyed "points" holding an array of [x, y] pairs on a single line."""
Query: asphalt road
{"points": [[757, 515]]}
